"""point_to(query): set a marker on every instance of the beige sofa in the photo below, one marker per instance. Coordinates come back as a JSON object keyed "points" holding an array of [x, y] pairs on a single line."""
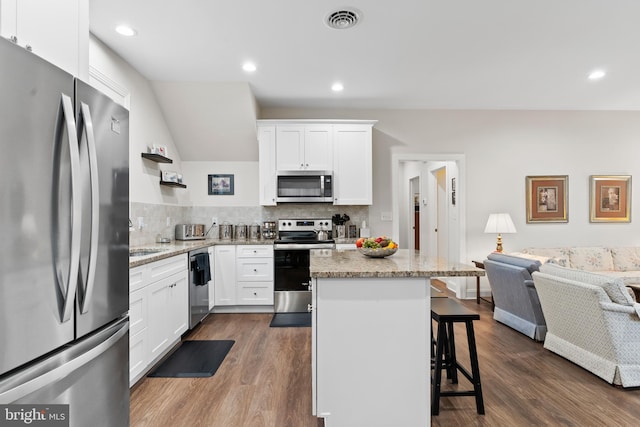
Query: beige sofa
{"points": [[592, 320], [619, 262]]}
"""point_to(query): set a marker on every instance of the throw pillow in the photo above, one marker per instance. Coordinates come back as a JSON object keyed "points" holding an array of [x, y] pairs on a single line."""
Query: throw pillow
{"points": [[591, 258], [626, 259]]}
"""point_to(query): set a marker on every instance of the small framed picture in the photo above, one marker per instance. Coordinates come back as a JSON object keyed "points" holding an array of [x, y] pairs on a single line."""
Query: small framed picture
{"points": [[610, 198], [547, 198], [220, 185]]}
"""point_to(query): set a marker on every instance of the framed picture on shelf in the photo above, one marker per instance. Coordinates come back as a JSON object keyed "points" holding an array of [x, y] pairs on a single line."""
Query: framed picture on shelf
{"points": [[220, 185], [547, 198], [610, 198]]}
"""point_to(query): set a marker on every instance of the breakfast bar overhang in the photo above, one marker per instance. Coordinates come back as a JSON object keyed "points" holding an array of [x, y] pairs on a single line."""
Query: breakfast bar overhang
{"points": [[371, 336]]}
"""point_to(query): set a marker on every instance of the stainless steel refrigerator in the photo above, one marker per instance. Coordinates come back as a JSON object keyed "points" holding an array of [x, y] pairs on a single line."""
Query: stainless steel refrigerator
{"points": [[64, 282]]}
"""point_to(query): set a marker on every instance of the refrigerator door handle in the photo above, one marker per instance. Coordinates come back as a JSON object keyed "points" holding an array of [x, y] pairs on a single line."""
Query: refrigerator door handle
{"points": [[87, 125], [33, 380], [76, 209]]}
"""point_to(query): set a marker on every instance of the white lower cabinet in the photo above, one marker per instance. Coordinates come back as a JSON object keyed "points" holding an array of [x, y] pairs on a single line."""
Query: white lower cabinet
{"points": [[254, 273], [225, 275], [243, 275], [158, 311], [137, 333]]}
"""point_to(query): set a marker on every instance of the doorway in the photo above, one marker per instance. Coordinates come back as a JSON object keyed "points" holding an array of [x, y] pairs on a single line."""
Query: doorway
{"points": [[414, 213], [440, 207]]}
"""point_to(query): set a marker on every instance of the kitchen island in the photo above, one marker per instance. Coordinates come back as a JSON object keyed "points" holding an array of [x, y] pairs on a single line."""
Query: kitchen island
{"points": [[371, 336]]}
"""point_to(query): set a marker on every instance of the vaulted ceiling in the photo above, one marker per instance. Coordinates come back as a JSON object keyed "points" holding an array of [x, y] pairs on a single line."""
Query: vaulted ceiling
{"points": [[403, 54]]}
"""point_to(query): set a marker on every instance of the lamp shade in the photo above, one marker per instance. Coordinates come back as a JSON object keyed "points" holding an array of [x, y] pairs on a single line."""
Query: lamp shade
{"points": [[499, 223]]}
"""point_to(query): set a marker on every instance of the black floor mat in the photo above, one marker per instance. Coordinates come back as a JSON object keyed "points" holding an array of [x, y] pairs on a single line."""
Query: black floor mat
{"points": [[194, 359], [291, 320]]}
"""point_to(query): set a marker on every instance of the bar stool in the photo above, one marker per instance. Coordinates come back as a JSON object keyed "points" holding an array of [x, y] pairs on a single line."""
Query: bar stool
{"points": [[446, 312]]}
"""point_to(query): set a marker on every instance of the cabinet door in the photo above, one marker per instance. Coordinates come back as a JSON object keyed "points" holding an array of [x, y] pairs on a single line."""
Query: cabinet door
{"points": [[158, 295], [318, 146], [352, 157], [54, 30], [289, 146], [267, 164], [177, 309], [138, 317], [225, 275], [138, 359], [212, 286]]}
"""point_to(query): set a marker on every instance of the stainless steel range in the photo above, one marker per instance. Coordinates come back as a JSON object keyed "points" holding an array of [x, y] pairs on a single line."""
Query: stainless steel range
{"points": [[296, 237]]}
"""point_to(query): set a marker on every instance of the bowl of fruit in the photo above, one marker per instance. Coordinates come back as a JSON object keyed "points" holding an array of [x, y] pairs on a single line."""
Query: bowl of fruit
{"points": [[376, 247]]}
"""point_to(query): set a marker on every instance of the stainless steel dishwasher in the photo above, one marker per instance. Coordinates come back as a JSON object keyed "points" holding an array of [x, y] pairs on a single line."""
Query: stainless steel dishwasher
{"points": [[199, 277]]}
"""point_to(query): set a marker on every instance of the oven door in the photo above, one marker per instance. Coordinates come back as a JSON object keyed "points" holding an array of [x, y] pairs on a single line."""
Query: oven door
{"points": [[291, 280]]}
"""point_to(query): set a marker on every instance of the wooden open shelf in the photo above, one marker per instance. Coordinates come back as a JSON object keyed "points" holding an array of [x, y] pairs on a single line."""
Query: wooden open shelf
{"points": [[157, 158], [172, 184]]}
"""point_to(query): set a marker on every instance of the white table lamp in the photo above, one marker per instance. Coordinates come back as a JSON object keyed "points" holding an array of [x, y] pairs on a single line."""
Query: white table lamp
{"points": [[499, 223]]}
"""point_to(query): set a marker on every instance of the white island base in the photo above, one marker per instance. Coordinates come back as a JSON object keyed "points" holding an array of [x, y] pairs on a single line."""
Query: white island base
{"points": [[371, 357]]}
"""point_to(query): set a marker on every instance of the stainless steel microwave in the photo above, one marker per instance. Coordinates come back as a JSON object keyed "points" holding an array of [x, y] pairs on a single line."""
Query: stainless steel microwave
{"points": [[304, 187]]}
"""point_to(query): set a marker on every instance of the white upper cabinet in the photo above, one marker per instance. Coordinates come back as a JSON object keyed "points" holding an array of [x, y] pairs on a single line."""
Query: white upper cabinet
{"points": [[318, 148], [57, 31], [267, 164], [352, 165], [303, 148], [343, 147]]}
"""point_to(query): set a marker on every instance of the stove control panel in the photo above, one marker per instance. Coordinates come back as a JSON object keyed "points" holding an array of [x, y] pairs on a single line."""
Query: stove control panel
{"points": [[304, 224]]}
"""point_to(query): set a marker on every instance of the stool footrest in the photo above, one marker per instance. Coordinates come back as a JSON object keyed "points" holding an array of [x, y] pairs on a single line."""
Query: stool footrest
{"points": [[458, 393]]}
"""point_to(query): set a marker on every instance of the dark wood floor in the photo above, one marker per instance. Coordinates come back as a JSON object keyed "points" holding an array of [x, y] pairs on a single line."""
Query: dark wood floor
{"points": [[265, 380]]}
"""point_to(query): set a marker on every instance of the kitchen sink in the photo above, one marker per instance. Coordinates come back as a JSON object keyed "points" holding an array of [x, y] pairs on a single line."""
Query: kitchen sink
{"points": [[143, 252]]}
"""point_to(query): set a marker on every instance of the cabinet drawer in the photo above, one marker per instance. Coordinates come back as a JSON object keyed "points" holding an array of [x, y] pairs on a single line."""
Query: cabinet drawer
{"points": [[254, 251], [255, 293], [167, 266], [259, 269]]}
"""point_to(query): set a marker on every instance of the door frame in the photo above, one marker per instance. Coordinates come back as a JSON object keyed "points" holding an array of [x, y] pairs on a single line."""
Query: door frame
{"points": [[457, 216]]}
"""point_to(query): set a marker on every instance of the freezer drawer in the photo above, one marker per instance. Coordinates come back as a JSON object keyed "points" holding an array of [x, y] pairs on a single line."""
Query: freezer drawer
{"points": [[90, 375]]}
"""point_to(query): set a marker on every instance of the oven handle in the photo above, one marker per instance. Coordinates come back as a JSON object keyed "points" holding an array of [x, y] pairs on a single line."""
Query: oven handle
{"points": [[302, 246]]}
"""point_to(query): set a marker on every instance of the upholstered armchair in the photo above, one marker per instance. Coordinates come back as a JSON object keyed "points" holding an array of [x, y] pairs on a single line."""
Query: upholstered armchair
{"points": [[592, 320], [515, 297]]}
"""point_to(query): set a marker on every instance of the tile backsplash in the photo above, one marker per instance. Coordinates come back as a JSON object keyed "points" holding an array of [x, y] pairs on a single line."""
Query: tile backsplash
{"points": [[154, 217]]}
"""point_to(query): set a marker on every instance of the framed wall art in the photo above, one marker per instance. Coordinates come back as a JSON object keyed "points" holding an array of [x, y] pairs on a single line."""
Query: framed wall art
{"points": [[547, 198], [220, 185], [610, 198]]}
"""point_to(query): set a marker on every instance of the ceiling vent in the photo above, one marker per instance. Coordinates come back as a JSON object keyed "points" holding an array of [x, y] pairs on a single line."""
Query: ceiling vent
{"points": [[343, 19]]}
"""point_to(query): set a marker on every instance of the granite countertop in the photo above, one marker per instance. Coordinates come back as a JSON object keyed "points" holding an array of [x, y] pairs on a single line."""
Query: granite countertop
{"points": [[178, 247], [404, 263]]}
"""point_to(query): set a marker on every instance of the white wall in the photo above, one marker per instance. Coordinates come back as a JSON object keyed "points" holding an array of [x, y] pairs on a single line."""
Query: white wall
{"points": [[501, 148], [146, 127], [245, 183]]}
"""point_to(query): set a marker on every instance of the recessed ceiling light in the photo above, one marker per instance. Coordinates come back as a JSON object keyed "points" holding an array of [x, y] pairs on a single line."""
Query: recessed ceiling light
{"points": [[337, 87], [249, 67], [126, 30], [596, 74]]}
